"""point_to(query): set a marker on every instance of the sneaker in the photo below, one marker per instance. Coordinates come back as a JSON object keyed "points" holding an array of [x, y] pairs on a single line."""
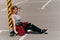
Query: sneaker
{"points": [[44, 30], [12, 33]]}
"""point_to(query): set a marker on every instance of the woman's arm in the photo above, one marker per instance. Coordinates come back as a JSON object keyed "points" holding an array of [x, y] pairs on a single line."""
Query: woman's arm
{"points": [[14, 26]]}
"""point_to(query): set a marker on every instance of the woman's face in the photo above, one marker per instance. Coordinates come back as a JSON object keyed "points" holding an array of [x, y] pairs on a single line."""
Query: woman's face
{"points": [[15, 10]]}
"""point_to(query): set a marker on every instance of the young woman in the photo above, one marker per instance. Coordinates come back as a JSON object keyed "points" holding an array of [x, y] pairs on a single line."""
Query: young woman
{"points": [[17, 21]]}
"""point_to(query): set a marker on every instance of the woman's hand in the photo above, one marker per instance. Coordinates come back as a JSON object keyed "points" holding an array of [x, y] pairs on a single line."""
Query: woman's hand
{"points": [[16, 32]]}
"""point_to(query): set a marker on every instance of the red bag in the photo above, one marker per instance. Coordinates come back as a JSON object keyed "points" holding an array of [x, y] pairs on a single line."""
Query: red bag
{"points": [[25, 24], [20, 30]]}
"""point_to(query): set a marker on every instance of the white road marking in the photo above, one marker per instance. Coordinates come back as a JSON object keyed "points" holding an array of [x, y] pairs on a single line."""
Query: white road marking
{"points": [[0, 31], [46, 4], [19, 39], [14, 4], [3, 30], [3, 9], [22, 38], [19, 2]]}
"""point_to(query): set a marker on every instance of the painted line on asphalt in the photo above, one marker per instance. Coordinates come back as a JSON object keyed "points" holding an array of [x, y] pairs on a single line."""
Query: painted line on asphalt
{"points": [[14, 4], [46, 4], [22, 38]]}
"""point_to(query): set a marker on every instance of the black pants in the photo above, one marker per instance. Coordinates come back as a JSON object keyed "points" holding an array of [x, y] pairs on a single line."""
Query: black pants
{"points": [[33, 28]]}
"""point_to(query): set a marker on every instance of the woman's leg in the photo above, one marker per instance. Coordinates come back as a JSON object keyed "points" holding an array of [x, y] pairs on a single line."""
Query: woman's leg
{"points": [[27, 28], [12, 32], [35, 28]]}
